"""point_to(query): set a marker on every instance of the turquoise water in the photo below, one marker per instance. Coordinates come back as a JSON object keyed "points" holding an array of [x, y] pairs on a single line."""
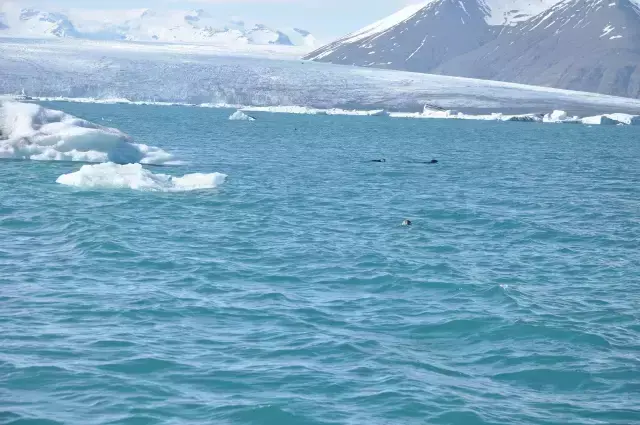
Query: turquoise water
{"points": [[292, 295]]}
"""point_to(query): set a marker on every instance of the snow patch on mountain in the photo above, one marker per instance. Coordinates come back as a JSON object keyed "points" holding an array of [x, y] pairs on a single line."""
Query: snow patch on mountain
{"points": [[387, 23], [35, 23], [511, 12], [574, 44], [300, 37]]}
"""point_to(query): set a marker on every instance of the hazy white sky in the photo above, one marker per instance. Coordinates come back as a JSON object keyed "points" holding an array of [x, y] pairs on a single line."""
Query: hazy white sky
{"points": [[324, 18]]}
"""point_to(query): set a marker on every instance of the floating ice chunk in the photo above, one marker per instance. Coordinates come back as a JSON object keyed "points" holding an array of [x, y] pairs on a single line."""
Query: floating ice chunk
{"points": [[599, 120], [380, 113], [560, 117], [625, 118], [496, 116], [240, 116], [439, 113], [133, 176], [314, 111], [555, 116], [29, 131], [523, 118], [284, 109], [153, 155]]}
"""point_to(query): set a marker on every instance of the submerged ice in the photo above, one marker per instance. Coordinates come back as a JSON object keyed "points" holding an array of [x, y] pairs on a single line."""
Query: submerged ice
{"points": [[29, 131], [133, 176]]}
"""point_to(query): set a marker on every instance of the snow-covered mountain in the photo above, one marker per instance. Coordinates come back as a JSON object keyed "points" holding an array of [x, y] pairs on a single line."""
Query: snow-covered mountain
{"points": [[590, 45], [145, 25], [32, 23], [3, 25], [577, 44]]}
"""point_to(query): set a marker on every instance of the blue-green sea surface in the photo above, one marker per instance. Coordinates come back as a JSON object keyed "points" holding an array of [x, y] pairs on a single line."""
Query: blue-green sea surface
{"points": [[291, 294]]}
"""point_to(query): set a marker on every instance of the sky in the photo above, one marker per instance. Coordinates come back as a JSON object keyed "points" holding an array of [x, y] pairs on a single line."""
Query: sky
{"points": [[326, 19]]}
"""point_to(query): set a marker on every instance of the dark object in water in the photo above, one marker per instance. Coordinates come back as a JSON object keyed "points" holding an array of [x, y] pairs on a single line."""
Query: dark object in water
{"points": [[379, 160], [433, 161], [407, 223]]}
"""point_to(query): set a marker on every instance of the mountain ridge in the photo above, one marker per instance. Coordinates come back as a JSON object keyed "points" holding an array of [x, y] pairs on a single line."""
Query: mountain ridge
{"points": [[146, 25], [587, 45]]}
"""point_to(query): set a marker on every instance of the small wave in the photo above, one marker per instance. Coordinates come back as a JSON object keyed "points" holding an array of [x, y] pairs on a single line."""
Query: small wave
{"points": [[133, 176], [29, 131]]}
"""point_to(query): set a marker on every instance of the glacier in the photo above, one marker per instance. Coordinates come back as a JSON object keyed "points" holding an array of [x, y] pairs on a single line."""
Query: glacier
{"points": [[139, 72]]}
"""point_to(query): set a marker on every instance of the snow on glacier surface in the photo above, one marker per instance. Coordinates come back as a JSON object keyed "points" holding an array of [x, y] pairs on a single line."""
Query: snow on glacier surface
{"points": [[510, 12], [386, 23], [193, 74]]}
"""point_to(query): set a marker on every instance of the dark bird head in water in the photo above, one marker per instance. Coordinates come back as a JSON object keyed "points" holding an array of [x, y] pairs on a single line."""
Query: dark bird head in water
{"points": [[379, 160], [407, 223], [433, 161]]}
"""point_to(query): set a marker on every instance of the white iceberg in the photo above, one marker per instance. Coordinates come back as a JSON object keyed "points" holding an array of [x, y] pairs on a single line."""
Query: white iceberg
{"points": [[240, 116], [379, 113], [284, 109], [430, 113], [625, 118], [560, 117], [29, 131], [555, 117], [133, 176], [451, 114], [305, 110], [599, 120], [523, 118]]}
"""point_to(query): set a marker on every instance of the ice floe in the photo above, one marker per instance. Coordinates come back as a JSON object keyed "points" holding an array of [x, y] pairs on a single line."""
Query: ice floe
{"points": [[109, 175], [599, 120], [625, 118], [556, 116], [314, 111], [240, 116]]}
